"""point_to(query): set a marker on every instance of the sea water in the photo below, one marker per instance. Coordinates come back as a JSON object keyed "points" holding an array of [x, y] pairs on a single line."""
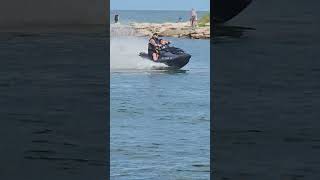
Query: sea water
{"points": [[159, 119], [267, 93], [151, 16]]}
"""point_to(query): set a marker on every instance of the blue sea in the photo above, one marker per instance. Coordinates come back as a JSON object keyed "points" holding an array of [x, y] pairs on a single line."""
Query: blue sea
{"points": [[152, 16], [53, 112], [160, 119], [266, 76]]}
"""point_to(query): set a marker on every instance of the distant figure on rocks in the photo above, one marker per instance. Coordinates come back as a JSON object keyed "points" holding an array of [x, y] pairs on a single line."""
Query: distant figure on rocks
{"points": [[194, 18], [179, 20], [116, 18]]}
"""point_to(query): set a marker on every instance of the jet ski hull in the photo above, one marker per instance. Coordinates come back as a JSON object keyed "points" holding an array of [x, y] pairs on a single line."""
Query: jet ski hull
{"points": [[176, 62]]}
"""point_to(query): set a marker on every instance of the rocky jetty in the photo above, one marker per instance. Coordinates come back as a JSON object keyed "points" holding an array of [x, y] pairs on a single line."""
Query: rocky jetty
{"points": [[180, 29]]}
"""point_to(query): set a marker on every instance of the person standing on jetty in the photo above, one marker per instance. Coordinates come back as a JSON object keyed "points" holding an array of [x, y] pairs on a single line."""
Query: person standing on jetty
{"points": [[194, 17], [116, 18]]}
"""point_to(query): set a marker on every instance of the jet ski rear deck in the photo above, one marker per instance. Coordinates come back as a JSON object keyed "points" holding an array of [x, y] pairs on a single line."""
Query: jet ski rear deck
{"points": [[174, 63], [173, 57]]}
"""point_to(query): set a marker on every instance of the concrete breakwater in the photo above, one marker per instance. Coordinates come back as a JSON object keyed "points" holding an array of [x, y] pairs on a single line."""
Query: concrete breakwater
{"points": [[181, 29]]}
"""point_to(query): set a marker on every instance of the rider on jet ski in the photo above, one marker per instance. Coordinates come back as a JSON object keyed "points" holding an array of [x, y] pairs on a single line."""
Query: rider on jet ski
{"points": [[164, 44], [164, 49], [159, 51], [155, 45]]}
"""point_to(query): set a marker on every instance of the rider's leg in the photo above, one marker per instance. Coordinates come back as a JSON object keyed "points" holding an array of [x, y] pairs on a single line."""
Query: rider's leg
{"points": [[155, 56]]}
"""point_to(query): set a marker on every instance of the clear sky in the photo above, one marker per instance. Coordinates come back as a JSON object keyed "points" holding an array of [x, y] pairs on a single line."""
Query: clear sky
{"points": [[200, 5]]}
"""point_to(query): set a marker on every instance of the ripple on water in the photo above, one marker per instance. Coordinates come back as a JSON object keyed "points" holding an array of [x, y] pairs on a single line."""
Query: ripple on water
{"points": [[166, 123]]}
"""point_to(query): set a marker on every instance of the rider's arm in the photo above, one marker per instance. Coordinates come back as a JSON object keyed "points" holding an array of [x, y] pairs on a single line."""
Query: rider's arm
{"points": [[153, 42]]}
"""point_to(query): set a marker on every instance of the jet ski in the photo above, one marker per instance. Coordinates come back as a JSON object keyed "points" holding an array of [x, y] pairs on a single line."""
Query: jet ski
{"points": [[173, 57]]}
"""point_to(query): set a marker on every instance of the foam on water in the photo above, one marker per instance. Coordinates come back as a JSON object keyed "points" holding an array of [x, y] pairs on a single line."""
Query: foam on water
{"points": [[125, 47]]}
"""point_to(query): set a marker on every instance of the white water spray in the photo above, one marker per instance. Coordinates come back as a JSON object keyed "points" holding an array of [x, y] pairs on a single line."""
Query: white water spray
{"points": [[125, 48]]}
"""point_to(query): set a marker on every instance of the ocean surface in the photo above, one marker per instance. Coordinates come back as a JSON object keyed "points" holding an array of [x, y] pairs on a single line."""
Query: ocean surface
{"points": [[53, 105], [266, 88], [160, 120], [160, 16]]}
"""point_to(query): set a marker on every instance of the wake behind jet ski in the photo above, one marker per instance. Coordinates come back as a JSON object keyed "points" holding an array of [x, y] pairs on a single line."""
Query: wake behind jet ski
{"points": [[159, 51]]}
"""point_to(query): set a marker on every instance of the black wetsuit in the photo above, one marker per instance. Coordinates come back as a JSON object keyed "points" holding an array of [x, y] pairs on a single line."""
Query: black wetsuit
{"points": [[151, 48]]}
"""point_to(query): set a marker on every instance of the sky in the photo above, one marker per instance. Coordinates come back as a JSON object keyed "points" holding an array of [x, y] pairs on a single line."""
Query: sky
{"points": [[199, 5]]}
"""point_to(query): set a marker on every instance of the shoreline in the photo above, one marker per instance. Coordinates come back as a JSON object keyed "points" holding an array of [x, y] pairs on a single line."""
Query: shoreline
{"points": [[178, 29]]}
